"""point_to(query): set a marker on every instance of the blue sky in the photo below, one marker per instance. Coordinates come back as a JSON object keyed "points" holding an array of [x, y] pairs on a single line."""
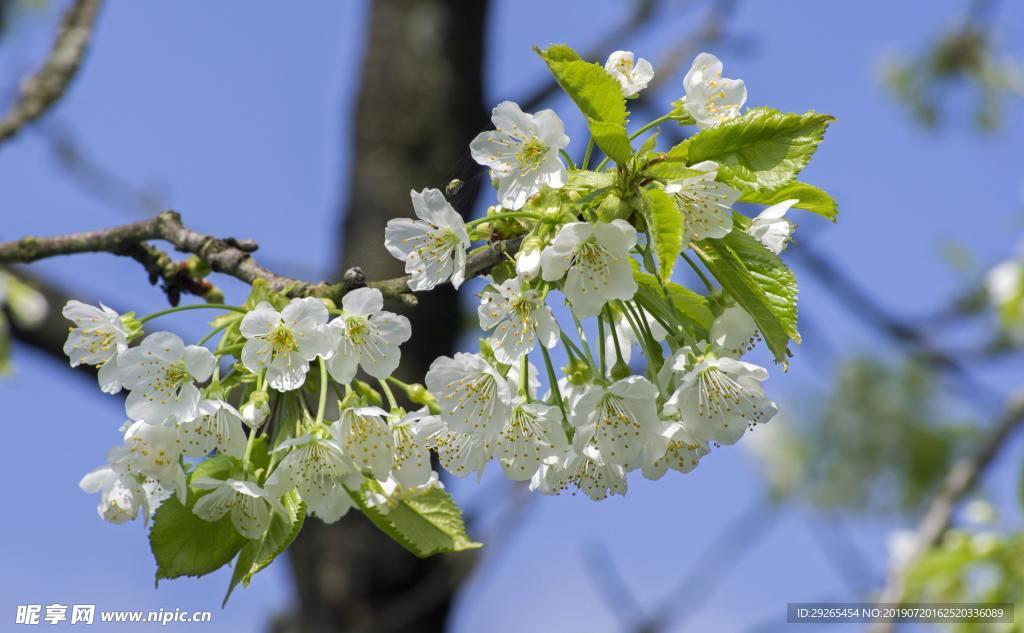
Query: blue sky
{"points": [[236, 113]]}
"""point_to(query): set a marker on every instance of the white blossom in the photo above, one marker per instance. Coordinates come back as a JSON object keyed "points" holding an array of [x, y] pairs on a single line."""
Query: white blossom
{"points": [[672, 447], [98, 337], [366, 438], [460, 453], [594, 259], [771, 228], [585, 470], [121, 495], [392, 492], [531, 433], [705, 203], [719, 397], [283, 343], [152, 451], [433, 247], [250, 506], [632, 76], [256, 411], [319, 470], [1005, 282], [522, 152], [412, 457], [473, 396], [710, 98], [367, 336], [518, 317], [733, 333], [619, 418], [528, 260], [217, 425], [161, 374]]}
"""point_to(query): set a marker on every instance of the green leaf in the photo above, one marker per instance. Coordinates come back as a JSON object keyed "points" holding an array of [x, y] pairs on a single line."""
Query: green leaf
{"points": [[671, 165], [218, 467], [559, 53], [763, 149], [425, 525], [597, 94], [257, 555], [185, 545], [612, 139], [666, 226], [243, 563], [810, 198], [585, 180], [649, 144], [261, 291], [760, 282], [689, 305]]}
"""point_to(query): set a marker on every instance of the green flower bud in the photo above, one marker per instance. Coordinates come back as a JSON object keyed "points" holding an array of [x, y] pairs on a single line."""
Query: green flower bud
{"points": [[620, 370], [371, 395]]}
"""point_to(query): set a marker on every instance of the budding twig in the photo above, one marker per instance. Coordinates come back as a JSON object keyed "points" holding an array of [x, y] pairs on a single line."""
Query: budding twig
{"points": [[226, 256]]}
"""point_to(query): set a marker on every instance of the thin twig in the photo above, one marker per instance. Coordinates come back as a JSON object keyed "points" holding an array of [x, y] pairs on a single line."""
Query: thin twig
{"points": [[226, 256], [47, 85]]}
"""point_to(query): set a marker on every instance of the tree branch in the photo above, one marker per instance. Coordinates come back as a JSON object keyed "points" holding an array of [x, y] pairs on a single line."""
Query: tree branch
{"points": [[226, 256], [47, 85], [959, 481]]}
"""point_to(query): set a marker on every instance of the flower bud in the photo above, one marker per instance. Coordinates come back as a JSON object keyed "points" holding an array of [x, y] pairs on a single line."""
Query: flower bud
{"points": [[196, 267], [255, 411], [214, 295], [577, 371], [620, 370], [418, 393], [528, 258], [371, 395]]}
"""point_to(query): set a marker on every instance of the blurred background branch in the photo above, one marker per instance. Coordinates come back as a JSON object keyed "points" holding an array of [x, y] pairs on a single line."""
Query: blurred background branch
{"points": [[46, 86]]}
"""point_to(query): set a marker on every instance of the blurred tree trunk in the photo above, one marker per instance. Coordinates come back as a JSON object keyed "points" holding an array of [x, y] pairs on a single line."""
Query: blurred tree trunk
{"points": [[420, 104]]}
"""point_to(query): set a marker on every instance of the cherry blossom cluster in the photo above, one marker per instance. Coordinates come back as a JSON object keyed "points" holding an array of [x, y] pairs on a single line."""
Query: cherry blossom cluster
{"points": [[179, 408], [598, 421], [294, 398]]}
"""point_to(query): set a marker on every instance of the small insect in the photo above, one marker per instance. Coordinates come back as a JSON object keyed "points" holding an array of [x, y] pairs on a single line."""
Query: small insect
{"points": [[454, 187]]}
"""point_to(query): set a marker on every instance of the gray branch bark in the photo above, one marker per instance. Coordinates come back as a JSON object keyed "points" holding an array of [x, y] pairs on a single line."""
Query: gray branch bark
{"points": [[223, 255]]}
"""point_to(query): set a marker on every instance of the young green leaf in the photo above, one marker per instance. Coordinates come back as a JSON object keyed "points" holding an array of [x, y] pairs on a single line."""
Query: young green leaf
{"points": [[666, 226], [760, 282], [256, 555], [689, 305], [811, 198], [763, 149], [597, 95], [670, 165], [425, 525], [185, 545]]}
